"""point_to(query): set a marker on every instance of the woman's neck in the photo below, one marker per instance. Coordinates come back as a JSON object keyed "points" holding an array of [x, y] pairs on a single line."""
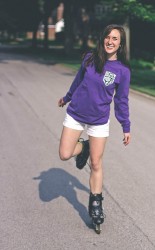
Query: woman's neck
{"points": [[112, 57]]}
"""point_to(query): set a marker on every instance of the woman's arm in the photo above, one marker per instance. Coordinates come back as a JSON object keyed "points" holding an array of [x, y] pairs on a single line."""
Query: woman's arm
{"points": [[75, 84], [121, 102]]}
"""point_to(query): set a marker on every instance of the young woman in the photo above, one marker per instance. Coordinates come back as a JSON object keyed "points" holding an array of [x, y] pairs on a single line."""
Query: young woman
{"points": [[104, 75]]}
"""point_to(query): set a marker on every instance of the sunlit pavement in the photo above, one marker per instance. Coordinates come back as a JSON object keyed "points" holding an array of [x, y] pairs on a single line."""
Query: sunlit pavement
{"points": [[43, 201]]}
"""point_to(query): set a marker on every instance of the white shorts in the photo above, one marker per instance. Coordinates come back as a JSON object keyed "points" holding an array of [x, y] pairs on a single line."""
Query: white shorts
{"points": [[92, 130]]}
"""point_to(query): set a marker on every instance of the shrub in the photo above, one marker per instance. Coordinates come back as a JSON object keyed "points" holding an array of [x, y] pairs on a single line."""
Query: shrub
{"points": [[141, 64]]}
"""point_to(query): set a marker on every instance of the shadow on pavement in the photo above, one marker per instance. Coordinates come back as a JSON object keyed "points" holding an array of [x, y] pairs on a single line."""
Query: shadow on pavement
{"points": [[56, 182]]}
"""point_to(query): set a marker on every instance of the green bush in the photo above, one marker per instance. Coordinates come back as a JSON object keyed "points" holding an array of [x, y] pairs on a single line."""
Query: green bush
{"points": [[141, 64]]}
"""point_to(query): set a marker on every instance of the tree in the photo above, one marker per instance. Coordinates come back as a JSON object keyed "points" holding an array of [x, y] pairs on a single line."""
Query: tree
{"points": [[71, 10], [122, 11], [125, 10], [17, 15], [144, 9]]}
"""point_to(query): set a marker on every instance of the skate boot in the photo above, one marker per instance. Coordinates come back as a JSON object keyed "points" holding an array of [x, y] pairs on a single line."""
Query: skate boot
{"points": [[82, 158], [96, 211]]}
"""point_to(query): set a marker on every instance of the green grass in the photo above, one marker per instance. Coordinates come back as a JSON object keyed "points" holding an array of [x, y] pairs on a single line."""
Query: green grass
{"points": [[142, 76], [143, 81], [73, 66]]}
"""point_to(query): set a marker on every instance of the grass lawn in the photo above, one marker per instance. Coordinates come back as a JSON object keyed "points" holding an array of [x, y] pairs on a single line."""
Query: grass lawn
{"points": [[143, 81]]}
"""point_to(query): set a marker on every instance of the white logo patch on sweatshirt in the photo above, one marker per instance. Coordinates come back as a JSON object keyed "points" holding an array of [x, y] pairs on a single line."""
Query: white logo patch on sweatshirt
{"points": [[109, 78]]}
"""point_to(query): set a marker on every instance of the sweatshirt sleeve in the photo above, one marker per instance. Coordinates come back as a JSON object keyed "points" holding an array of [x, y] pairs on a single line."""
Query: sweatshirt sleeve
{"points": [[76, 82], [121, 101]]}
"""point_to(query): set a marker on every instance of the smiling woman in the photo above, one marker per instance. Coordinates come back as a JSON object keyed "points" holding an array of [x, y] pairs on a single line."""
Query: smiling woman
{"points": [[102, 72], [112, 44]]}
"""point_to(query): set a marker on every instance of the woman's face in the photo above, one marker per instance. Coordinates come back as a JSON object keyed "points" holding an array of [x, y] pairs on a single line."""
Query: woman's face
{"points": [[112, 44]]}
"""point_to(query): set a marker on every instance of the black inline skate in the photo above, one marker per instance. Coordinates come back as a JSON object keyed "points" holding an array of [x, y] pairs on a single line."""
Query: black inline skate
{"points": [[96, 211], [82, 158]]}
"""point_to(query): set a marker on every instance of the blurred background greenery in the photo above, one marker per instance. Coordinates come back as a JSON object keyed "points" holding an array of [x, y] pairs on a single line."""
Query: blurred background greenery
{"points": [[59, 31]]}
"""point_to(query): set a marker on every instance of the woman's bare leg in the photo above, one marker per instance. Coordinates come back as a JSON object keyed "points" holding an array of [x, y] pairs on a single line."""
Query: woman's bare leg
{"points": [[97, 146], [69, 145]]}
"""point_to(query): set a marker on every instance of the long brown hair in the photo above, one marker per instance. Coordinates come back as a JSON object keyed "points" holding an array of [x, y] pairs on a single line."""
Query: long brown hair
{"points": [[98, 57]]}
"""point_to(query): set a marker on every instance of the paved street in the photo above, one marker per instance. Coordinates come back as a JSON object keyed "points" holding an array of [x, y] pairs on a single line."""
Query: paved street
{"points": [[43, 201]]}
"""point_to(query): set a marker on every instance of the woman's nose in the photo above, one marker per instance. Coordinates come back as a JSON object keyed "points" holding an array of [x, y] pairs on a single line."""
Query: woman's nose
{"points": [[110, 40]]}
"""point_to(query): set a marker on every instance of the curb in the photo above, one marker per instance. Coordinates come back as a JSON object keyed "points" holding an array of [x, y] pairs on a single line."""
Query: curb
{"points": [[142, 94]]}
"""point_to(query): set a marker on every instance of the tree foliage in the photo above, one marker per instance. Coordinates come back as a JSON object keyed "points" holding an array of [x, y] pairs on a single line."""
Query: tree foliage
{"points": [[25, 15], [121, 9], [17, 15]]}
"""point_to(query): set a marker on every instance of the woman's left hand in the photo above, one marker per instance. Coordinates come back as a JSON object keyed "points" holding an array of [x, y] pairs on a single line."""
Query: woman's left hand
{"points": [[61, 102], [127, 138]]}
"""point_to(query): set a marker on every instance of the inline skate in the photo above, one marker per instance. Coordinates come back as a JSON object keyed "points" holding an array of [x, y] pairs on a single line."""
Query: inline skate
{"points": [[82, 158], [96, 211]]}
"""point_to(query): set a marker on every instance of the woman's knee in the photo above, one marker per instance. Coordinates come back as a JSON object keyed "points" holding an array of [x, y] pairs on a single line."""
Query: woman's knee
{"points": [[96, 164], [64, 155]]}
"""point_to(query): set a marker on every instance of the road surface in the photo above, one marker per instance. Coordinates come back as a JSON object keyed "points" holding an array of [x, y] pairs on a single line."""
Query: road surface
{"points": [[43, 201]]}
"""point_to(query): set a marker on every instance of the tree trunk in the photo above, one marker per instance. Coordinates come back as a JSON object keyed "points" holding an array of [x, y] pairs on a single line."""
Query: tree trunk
{"points": [[68, 19], [34, 39], [127, 30], [46, 32]]}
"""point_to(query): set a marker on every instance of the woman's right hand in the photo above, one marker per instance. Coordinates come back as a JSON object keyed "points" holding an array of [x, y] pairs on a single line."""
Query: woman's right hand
{"points": [[61, 102]]}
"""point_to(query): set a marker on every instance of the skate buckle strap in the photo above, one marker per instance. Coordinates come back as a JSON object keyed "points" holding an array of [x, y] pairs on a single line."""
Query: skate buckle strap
{"points": [[96, 197]]}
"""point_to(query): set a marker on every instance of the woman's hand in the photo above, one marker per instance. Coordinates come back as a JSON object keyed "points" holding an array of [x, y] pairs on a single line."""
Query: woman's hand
{"points": [[127, 138], [61, 102]]}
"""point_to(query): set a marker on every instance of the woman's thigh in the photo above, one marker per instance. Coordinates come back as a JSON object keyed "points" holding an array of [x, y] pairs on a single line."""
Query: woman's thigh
{"points": [[68, 141], [97, 146]]}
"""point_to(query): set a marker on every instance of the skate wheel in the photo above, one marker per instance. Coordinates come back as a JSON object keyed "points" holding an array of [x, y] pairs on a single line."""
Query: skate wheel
{"points": [[97, 229]]}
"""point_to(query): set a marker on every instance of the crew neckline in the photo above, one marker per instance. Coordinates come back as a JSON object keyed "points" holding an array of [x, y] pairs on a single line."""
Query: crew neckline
{"points": [[116, 60]]}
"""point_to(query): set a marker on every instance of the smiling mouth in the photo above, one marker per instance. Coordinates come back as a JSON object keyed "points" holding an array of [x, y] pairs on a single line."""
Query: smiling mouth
{"points": [[110, 47]]}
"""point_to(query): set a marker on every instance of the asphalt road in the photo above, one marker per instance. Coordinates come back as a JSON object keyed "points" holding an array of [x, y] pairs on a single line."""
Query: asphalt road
{"points": [[43, 201]]}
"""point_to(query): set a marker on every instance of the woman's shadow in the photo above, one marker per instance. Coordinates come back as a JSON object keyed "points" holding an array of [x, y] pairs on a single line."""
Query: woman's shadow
{"points": [[56, 182]]}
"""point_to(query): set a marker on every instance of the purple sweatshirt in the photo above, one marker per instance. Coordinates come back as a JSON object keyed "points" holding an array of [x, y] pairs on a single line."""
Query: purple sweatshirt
{"points": [[91, 93]]}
